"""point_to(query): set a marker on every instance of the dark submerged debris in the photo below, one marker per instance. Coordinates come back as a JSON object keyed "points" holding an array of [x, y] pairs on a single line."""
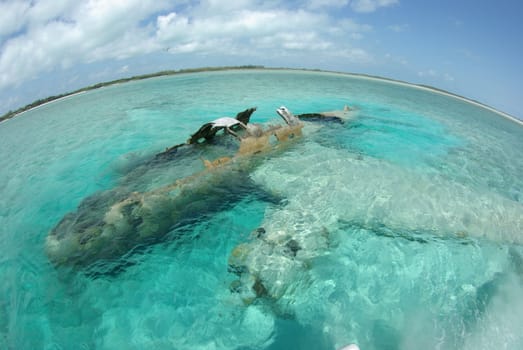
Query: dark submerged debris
{"points": [[318, 117], [259, 232], [292, 247], [259, 289]]}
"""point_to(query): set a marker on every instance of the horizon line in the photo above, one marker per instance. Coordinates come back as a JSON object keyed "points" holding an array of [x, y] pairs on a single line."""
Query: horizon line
{"points": [[50, 99]]}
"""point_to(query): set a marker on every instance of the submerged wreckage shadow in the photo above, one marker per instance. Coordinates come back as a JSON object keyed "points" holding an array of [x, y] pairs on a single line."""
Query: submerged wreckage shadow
{"points": [[114, 223]]}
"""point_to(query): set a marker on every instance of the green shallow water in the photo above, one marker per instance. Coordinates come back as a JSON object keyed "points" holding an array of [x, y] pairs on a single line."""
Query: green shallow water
{"points": [[421, 196]]}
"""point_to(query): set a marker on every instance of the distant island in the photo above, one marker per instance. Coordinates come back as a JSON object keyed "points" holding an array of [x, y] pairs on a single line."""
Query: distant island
{"points": [[42, 101]]}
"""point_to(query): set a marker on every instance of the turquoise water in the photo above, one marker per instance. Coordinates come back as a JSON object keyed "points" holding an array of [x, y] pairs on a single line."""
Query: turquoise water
{"points": [[409, 218]]}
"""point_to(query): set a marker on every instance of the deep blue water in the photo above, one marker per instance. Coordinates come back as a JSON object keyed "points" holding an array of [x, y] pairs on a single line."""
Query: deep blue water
{"points": [[409, 217]]}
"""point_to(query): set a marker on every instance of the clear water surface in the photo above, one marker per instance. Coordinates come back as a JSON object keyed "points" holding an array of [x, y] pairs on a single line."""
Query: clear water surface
{"points": [[421, 194]]}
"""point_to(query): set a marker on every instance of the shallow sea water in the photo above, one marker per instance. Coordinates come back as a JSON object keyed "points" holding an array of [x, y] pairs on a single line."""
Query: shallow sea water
{"points": [[421, 195]]}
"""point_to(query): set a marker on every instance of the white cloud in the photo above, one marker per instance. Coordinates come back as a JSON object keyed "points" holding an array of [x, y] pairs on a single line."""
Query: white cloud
{"points": [[301, 41], [434, 74], [221, 7], [12, 16], [124, 69], [256, 29], [396, 59], [356, 55], [63, 33], [428, 73], [350, 25], [45, 35], [448, 77], [43, 11], [171, 27], [398, 28], [356, 5], [371, 5], [318, 4]]}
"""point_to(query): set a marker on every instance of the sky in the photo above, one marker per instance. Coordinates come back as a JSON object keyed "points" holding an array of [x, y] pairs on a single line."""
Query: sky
{"points": [[471, 48]]}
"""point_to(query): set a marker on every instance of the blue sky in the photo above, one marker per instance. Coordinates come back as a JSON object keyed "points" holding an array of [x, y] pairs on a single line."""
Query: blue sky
{"points": [[472, 48]]}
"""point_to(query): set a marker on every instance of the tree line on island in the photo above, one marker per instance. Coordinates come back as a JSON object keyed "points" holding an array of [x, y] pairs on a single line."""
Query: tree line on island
{"points": [[42, 101]]}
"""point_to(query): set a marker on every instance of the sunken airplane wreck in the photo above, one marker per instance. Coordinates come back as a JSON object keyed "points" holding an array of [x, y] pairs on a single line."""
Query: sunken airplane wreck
{"points": [[112, 223]]}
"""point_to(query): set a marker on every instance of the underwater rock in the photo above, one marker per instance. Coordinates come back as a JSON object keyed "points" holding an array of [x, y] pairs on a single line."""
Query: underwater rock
{"points": [[394, 202], [277, 259], [237, 259]]}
